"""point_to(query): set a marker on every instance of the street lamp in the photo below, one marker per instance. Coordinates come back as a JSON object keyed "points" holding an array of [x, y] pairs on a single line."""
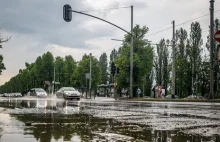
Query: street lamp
{"points": [[67, 16]]}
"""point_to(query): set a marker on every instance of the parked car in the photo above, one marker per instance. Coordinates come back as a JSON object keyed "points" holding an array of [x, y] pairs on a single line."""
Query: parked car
{"points": [[68, 93], [170, 97], [17, 94], [38, 92]]}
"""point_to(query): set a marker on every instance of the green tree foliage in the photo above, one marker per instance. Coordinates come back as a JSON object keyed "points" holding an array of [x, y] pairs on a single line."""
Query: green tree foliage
{"points": [[192, 69], [195, 52], [183, 65], [2, 66], [69, 67], [216, 67], [59, 68], [48, 66], [161, 63], [143, 59], [103, 64], [79, 76]]}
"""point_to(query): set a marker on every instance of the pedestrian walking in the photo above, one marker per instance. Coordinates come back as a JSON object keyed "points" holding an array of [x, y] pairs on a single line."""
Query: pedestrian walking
{"points": [[139, 92], [163, 92], [153, 89]]}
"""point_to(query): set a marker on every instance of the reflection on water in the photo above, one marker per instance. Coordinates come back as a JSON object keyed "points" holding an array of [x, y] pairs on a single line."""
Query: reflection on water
{"points": [[63, 120]]}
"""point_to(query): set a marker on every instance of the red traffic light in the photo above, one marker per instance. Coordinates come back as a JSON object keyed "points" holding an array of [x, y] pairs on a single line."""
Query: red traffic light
{"points": [[67, 13]]}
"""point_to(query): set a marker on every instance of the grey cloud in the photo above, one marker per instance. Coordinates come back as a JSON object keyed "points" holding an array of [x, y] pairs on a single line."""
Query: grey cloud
{"points": [[44, 22]]}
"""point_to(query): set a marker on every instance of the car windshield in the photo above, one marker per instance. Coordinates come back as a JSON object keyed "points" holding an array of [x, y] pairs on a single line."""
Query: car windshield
{"points": [[39, 90], [67, 89]]}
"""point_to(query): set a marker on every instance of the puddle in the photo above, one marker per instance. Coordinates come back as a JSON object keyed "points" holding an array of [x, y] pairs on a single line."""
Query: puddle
{"points": [[59, 120]]}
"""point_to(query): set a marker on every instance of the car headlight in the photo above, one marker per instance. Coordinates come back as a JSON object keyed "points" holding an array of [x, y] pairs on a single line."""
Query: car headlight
{"points": [[67, 93]]}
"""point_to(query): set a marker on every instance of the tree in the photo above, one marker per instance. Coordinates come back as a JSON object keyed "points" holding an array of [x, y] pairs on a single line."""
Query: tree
{"points": [[183, 68], [59, 67], [195, 43], [161, 64], [143, 60], [103, 64], [69, 67], [2, 66], [83, 67], [48, 66], [216, 67]]}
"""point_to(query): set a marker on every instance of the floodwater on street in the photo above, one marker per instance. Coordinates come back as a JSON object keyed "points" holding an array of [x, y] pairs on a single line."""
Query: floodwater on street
{"points": [[103, 119]]}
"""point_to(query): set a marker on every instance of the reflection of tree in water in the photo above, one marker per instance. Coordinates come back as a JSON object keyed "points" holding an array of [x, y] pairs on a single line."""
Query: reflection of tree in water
{"points": [[63, 126]]}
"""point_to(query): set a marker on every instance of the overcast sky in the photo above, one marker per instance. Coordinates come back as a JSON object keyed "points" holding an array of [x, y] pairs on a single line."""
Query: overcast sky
{"points": [[37, 26]]}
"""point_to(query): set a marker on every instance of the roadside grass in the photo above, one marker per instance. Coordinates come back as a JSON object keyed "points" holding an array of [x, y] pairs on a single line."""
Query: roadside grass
{"points": [[171, 100]]}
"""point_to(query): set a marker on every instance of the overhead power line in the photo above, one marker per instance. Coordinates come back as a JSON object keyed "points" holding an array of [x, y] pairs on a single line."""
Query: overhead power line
{"points": [[105, 9], [181, 23]]}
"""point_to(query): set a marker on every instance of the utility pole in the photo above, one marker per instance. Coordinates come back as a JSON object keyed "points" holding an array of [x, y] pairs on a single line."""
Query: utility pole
{"points": [[143, 86], [115, 83], [54, 79], [90, 74], [211, 94], [131, 56], [217, 63], [173, 62]]}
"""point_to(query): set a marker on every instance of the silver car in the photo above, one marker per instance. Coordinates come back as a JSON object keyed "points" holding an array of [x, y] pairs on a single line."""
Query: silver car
{"points": [[38, 92], [68, 93]]}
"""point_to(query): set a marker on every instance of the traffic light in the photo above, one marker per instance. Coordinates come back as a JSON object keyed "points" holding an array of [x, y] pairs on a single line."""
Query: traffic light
{"points": [[113, 68], [67, 13]]}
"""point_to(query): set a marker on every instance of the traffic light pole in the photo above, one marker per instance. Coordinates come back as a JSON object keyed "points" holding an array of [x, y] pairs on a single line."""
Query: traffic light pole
{"points": [[131, 56], [211, 94], [173, 62], [100, 19], [67, 15], [90, 75]]}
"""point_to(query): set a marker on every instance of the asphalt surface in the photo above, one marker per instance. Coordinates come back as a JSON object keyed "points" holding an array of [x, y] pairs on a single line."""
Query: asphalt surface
{"points": [[104, 119]]}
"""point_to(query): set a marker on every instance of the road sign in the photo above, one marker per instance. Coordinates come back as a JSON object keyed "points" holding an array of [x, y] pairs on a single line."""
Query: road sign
{"points": [[87, 75], [217, 36]]}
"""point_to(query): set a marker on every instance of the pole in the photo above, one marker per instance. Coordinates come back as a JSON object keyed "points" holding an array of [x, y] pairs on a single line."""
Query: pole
{"points": [[90, 74], [143, 87], [54, 72], [217, 63], [86, 88], [131, 56], [115, 82], [173, 62], [211, 95]]}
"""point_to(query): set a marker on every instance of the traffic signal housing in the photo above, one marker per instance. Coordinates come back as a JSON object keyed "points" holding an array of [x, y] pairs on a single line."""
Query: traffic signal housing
{"points": [[113, 68], [67, 13]]}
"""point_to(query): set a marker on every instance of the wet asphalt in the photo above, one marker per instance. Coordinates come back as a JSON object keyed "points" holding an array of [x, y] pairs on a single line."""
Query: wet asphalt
{"points": [[104, 119]]}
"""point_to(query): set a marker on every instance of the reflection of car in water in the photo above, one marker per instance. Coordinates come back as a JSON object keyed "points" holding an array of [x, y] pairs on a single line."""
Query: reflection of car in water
{"points": [[34, 103], [68, 93], [68, 107], [41, 104], [62, 104], [38, 92]]}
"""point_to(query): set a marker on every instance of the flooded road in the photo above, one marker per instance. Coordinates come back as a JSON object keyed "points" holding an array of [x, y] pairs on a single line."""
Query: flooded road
{"points": [[103, 119]]}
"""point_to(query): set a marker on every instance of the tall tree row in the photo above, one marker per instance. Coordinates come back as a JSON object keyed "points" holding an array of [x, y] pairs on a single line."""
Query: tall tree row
{"points": [[152, 65]]}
